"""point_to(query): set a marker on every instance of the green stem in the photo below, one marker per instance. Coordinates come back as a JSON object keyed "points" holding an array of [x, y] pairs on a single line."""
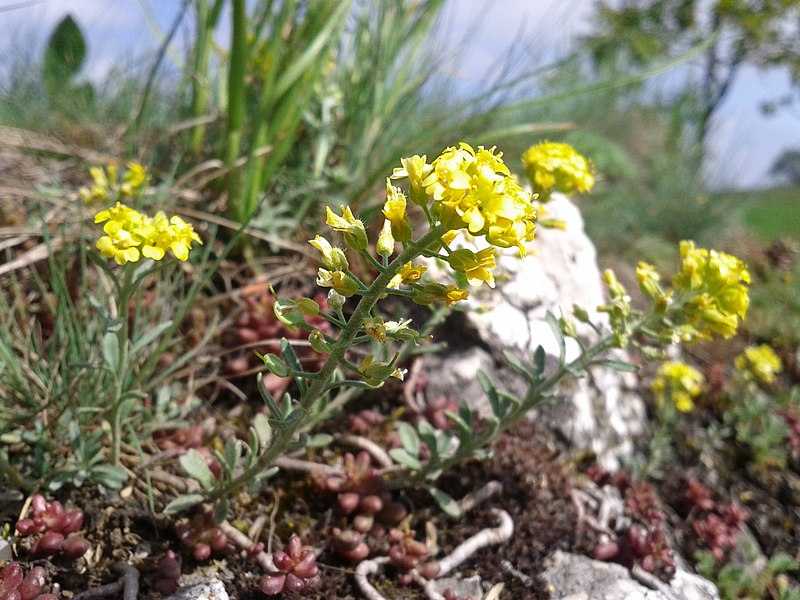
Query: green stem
{"points": [[318, 388], [121, 377], [236, 104]]}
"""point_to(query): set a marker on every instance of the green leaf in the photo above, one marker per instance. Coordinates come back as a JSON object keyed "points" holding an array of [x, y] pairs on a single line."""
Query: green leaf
{"points": [[109, 476], [196, 467], [617, 365], [782, 563], [111, 353], [221, 509], [446, 502], [268, 399], [294, 364], [558, 334], [464, 427], [64, 55], [232, 452], [444, 442], [401, 456], [262, 429], [319, 440], [182, 503], [491, 392], [408, 437], [539, 360], [150, 336], [516, 364]]}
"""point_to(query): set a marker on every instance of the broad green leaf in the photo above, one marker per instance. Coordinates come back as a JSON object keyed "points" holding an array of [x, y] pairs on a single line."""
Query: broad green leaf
{"points": [[408, 437], [446, 502], [182, 503], [111, 352], [319, 440], [109, 476], [64, 55], [401, 456], [262, 429], [196, 467]]}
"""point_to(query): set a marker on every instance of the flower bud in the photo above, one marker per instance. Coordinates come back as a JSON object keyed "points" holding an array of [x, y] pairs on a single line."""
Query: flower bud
{"points": [[385, 244], [335, 300], [332, 258]]}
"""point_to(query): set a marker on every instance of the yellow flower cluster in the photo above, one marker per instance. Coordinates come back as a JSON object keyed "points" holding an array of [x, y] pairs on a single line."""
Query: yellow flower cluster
{"points": [[130, 235], [107, 186], [759, 363], [678, 382], [553, 166], [713, 286], [472, 189]]}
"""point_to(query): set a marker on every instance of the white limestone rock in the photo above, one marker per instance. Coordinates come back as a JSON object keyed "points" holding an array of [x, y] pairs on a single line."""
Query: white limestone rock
{"points": [[602, 413]]}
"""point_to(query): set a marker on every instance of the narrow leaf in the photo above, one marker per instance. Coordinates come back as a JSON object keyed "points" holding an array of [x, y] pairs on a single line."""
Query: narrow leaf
{"points": [[446, 502], [490, 391], [319, 440], [294, 364], [556, 329], [519, 366], [268, 399], [182, 503], [617, 365]]}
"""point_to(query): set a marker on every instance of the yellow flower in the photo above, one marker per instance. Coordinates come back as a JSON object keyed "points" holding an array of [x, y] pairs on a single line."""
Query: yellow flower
{"points": [[130, 235], [474, 189], [648, 279], [428, 293], [713, 287], [476, 266], [107, 187], [352, 229], [338, 280], [759, 363], [408, 273], [332, 258], [395, 212], [678, 382], [415, 169], [553, 166], [135, 179]]}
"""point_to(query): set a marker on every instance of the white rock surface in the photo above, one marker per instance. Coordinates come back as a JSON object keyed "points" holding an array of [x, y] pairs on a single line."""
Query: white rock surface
{"points": [[572, 576], [211, 589], [602, 413]]}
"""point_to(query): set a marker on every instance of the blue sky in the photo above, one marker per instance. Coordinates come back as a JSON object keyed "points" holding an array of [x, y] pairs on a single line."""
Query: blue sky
{"points": [[743, 144]]}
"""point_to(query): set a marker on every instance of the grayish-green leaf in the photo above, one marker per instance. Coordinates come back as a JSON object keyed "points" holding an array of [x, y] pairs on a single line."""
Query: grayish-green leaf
{"points": [[182, 503], [196, 467], [446, 502]]}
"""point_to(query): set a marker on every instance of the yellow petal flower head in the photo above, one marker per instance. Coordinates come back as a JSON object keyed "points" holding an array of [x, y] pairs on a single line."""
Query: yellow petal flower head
{"points": [[135, 179], [474, 189], [415, 169], [678, 382], [428, 293], [125, 229], [553, 166], [714, 288], [130, 234], [408, 273], [332, 258], [395, 212], [476, 266], [759, 363], [355, 236]]}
